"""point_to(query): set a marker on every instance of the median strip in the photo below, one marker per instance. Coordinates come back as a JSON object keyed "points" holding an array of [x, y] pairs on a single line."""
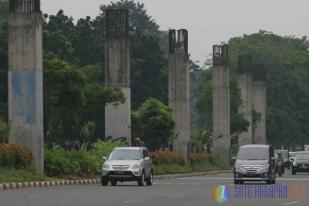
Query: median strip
{"points": [[14, 186]]}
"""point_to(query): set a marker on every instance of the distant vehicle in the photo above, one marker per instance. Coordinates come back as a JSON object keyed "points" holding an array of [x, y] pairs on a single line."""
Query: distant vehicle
{"points": [[255, 163], [301, 162], [285, 156], [127, 164], [291, 157]]}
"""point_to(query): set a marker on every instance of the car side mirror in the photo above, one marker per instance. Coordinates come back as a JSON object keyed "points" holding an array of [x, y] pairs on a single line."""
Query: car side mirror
{"points": [[147, 158], [104, 158]]}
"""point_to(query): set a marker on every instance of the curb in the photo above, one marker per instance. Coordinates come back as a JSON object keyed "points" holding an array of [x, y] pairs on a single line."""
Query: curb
{"points": [[14, 186]]}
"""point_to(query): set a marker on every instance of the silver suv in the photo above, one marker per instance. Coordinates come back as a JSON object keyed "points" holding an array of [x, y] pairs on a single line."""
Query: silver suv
{"points": [[127, 164]]}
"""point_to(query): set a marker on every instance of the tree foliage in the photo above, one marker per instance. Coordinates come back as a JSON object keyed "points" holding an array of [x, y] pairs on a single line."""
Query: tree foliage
{"points": [[287, 62], [153, 124]]}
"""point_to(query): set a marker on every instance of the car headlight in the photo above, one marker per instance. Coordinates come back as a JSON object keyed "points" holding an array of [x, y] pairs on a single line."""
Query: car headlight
{"points": [[238, 166], [136, 166], [106, 166], [294, 164]]}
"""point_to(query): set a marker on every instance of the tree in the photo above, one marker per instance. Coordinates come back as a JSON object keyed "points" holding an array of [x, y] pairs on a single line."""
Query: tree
{"points": [[153, 124], [3, 58], [72, 98], [287, 62]]}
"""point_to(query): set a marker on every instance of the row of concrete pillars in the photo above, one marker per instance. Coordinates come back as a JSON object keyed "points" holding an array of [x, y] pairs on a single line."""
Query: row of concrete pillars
{"points": [[26, 78], [26, 82], [251, 82]]}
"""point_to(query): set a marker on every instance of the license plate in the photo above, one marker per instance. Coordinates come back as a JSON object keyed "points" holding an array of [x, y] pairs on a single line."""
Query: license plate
{"points": [[119, 172]]}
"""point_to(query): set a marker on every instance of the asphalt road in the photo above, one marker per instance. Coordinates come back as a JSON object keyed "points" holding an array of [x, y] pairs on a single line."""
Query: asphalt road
{"points": [[193, 191]]}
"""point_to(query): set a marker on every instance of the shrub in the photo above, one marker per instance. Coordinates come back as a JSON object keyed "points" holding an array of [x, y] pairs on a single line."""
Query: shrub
{"points": [[58, 161], [162, 157], [198, 158], [15, 156]]}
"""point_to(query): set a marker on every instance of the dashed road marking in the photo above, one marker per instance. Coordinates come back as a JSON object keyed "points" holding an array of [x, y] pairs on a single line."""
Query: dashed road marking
{"points": [[291, 203], [175, 196]]}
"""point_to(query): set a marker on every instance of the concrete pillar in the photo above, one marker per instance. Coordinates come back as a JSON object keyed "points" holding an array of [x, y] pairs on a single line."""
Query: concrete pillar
{"points": [[117, 73], [245, 85], [259, 105], [221, 103], [25, 77], [178, 89]]}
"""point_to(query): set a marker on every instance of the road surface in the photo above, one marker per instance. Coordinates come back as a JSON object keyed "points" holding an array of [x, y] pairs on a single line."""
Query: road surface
{"points": [[191, 191]]}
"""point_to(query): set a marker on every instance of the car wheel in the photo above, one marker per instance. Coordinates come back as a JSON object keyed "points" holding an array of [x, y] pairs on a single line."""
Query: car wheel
{"points": [[236, 182], [114, 182], [104, 181], [141, 179], [149, 179], [273, 182]]}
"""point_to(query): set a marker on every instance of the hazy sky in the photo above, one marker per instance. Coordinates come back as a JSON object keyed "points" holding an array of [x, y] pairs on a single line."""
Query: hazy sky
{"points": [[208, 21]]}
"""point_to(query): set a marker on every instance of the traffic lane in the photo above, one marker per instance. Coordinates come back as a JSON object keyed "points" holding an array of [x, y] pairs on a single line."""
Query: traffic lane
{"points": [[185, 191], [297, 186], [165, 192]]}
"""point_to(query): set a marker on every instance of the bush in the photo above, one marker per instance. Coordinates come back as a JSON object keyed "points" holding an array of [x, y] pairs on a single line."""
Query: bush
{"points": [[198, 158], [58, 162], [15, 156], [163, 157]]}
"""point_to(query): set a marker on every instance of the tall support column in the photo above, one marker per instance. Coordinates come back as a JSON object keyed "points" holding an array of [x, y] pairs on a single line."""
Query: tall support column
{"points": [[259, 105], [245, 86], [221, 103], [117, 73], [178, 89], [25, 77]]}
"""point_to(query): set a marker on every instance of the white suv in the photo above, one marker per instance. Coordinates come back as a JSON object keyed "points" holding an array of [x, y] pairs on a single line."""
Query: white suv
{"points": [[127, 164]]}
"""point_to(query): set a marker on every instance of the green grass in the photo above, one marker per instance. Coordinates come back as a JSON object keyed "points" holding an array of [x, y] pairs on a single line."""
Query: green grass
{"points": [[24, 175]]}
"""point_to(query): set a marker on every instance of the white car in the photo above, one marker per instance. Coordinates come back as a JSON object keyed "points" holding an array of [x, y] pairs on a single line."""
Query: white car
{"points": [[127, 164]]}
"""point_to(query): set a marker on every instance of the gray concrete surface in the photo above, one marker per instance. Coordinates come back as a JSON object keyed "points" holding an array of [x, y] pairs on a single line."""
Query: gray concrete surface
{"points": [[244, 80], [259, 101], [197, 191], [25, 78], [179, 88], [117, 73], [221, 102]]}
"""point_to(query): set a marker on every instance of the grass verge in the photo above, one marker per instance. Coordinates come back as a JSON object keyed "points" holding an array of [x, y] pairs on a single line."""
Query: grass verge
{"points": [[24, 175]]}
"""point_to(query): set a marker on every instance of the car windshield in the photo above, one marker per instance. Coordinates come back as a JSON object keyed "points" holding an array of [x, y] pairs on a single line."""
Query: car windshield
{"points": [[302, 156], [121, 154], [253, 154], [284, 154]]}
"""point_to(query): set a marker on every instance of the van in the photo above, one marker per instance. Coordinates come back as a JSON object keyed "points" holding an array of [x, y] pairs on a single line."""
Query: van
{"points": [[255, 162]]}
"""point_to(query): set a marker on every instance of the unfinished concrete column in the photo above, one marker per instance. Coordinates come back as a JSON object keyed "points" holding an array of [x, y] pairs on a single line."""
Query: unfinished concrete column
{"points": [[117, 73], [178, 89], [259, 105], [221, 103], [25, 77], [245, 85]]}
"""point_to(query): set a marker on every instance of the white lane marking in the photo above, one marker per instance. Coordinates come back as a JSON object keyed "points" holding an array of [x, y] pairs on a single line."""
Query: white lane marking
{"points": [[231, 178], [207, 178], [175, 196], [291, 203], [129, 201]]}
